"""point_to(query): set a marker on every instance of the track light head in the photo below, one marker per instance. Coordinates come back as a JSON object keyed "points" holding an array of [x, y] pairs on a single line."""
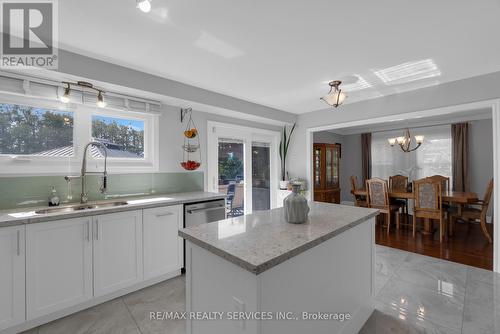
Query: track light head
{"points": [[65, 97], [100, 100]]}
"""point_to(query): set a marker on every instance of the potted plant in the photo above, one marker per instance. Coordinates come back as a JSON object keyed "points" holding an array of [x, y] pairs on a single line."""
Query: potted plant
{"points": [[284, 144]]}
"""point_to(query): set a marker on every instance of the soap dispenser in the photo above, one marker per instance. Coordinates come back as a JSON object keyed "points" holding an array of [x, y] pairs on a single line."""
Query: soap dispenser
{"points": [[53, 199]]}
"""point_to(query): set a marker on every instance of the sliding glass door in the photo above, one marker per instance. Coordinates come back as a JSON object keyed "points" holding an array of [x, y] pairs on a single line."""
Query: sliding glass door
{"points": [[243, 164]]}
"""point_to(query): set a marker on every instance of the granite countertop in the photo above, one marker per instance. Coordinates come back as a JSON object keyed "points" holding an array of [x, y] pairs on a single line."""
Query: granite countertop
{"points": [[262, 240], [28, 216]]}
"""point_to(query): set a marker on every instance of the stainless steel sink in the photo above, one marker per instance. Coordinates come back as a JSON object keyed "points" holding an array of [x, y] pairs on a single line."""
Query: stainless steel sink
{"points": [[80, 207]]}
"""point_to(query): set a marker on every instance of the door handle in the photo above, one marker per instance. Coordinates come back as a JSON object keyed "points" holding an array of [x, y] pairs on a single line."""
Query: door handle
{"points": [[88, 231], [18, 243], [96, 229], [205, 209], [164, 214]]}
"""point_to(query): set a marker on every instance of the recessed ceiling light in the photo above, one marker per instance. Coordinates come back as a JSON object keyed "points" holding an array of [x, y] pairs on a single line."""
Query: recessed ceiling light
{"points": [[407, 72], [144, 5]]}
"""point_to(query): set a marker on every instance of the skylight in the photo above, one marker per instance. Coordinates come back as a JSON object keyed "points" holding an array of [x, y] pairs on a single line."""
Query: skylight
{"points": [[407, 72]]}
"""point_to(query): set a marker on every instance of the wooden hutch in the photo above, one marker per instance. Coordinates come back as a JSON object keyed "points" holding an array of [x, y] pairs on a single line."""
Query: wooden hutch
{"points": [[326, 169]]}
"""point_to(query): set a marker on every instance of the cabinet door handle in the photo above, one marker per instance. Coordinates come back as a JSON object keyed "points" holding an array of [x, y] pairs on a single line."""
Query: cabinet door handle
{"points": [[88, 231], [164, 214], [96, 229], [18, 243]]}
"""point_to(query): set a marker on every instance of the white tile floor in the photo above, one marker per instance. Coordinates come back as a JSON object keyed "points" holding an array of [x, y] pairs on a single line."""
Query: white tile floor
{"points": [[415, 294]]}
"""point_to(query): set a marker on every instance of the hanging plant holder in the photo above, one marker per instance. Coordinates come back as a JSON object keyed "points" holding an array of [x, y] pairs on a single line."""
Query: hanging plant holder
{"points": [[191, 157]]}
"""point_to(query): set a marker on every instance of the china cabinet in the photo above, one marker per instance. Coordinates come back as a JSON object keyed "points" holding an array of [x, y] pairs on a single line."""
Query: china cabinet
{"points": [[326, 169]]}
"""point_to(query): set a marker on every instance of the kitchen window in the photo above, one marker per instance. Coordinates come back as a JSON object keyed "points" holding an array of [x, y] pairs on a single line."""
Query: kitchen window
{"points": [[123, 138], [32, 131], [46, 137]]}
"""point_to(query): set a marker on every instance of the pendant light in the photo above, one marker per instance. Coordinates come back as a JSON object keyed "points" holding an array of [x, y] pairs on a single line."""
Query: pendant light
{"points": [[335, 96]]}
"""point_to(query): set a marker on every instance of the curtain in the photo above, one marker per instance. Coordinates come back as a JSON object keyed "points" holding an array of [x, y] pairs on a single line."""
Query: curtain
{"points": [[366, 155], [460, 155]]}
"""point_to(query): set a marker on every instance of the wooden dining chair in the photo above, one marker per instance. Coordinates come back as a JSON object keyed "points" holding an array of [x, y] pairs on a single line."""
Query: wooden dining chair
{"points": [[399, 183], [445, 181], [476, 212], [358, 200], [378, 198], [445, 186], [428, 203]]}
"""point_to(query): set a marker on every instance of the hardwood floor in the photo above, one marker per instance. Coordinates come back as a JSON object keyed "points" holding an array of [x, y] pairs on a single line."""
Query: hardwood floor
{"points": [[468, 245]]}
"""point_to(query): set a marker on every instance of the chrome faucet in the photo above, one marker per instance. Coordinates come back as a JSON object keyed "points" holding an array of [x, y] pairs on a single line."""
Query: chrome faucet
{"points": [[84, 195]]}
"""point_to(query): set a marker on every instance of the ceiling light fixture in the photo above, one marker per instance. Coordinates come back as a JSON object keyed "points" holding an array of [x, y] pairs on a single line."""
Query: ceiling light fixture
{"points": [[83, 86], [405, 141], [335, 96], [65, 97], [144, 5]]}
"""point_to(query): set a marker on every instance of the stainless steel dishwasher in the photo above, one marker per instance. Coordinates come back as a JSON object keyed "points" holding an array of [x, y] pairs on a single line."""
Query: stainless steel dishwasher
{"points": [[202, 213]]}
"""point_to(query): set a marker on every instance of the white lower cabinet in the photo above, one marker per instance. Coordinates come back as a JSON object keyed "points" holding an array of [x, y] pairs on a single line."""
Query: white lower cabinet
{"points": [[52, 266], [58, 265], [12, 276], [117, 251], [163, 248]]}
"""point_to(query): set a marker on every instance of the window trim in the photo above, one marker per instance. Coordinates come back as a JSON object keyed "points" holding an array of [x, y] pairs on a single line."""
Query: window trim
{"points": [[11, 164]]}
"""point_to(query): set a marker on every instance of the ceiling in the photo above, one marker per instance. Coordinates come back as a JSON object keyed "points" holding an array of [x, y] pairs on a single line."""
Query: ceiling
{"points": [[400, 124], [282, 53]]}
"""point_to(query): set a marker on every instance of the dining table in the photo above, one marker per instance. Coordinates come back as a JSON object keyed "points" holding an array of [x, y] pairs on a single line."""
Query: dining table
{"points": [[458, 197]]}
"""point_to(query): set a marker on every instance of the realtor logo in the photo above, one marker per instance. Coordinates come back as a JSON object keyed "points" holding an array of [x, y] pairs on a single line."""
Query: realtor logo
{"points": [[29, 34]]}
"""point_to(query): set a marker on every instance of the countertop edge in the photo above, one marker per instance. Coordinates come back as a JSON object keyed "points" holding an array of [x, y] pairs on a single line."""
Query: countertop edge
{"points": [[108, 210], [258, 269]]}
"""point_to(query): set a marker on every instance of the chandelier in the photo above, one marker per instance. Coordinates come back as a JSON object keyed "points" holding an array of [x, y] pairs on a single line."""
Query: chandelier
{"points": [[405, 141]]}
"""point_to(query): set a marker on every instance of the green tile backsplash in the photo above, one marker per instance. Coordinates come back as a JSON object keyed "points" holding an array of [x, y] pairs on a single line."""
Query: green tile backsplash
{"points": [[24, 191]]}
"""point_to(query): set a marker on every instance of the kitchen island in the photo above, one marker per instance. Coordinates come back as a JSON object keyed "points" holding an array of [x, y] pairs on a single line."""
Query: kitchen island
{"points": [[259, 274]]}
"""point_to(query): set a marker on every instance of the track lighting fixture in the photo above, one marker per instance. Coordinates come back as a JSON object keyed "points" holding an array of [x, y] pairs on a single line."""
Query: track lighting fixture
{"points": [[83, 86]]}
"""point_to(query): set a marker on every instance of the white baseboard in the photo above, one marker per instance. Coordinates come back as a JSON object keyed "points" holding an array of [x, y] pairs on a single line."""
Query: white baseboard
{"points": [[347, 203]]}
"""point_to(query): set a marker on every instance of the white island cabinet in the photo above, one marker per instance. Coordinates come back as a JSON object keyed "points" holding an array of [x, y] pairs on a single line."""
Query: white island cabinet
{"points": [[163, 248], [58, 265], [262, 275], [117, 251], [12, 276]]}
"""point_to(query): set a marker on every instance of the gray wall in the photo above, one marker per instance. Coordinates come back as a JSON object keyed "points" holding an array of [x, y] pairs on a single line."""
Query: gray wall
{"points": [[481, 156], [350, 165], [350, 162], [327, 137]]}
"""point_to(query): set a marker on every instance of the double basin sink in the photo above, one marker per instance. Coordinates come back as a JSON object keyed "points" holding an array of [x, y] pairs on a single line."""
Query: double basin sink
{"points": [[80, 207]]}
